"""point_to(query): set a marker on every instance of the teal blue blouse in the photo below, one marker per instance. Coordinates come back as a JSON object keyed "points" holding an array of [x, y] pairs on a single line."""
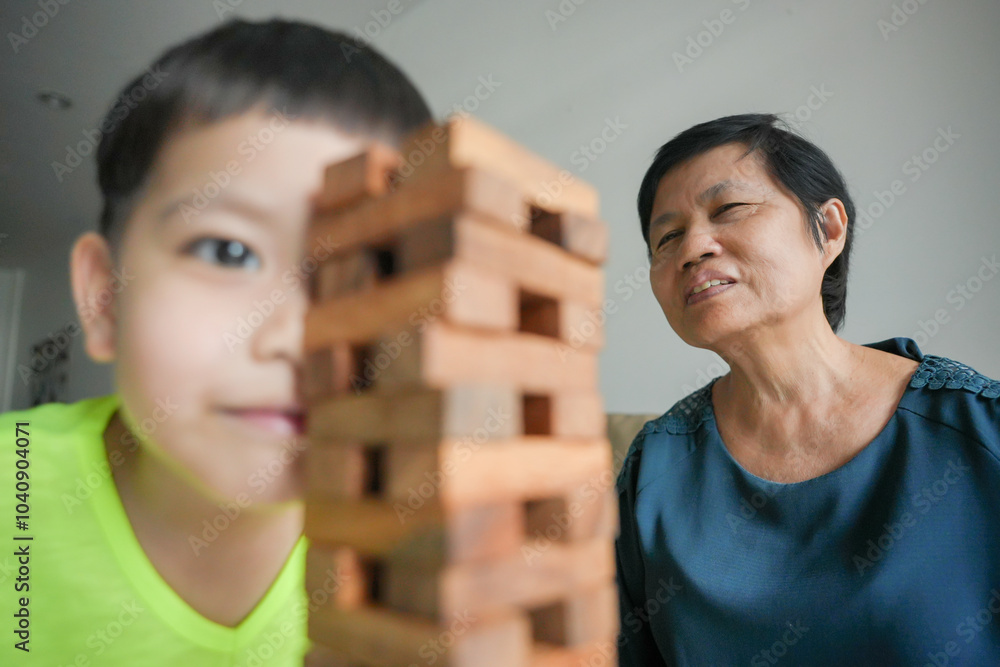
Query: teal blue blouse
{"points": [[891, 559]]}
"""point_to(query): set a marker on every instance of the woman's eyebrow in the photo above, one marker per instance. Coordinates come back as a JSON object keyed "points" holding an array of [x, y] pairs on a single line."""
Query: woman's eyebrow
{"points": [[707, 195], [726, 186], [716, 190], [661, 220]]}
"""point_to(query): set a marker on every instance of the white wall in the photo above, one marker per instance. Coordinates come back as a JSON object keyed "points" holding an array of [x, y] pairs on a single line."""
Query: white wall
{"points": [[11, 289], [46, 309], [885, 95], [560, 81]]}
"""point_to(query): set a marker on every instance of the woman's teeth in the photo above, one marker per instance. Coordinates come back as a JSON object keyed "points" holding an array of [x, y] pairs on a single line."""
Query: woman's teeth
{"points": [[709, 283]]}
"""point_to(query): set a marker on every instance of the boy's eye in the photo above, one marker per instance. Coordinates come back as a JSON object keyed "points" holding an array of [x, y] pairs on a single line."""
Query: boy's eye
{"points": [[225, 253]]}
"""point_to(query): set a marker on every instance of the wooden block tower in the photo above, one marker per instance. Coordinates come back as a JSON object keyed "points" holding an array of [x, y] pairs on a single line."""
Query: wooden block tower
{"points": [[459, 479]]}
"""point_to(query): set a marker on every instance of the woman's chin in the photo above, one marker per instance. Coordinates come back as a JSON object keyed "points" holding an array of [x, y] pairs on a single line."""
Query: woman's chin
{"points": [[710, 332]]}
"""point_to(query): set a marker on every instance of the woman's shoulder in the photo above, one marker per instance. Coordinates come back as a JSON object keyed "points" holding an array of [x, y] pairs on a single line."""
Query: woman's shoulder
{"points": [[955, 395], [686, 415], [935, 373], [672, 431]]}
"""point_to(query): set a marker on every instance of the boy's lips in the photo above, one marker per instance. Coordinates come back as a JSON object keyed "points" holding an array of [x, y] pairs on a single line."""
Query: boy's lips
{"points": [[283, 422]]}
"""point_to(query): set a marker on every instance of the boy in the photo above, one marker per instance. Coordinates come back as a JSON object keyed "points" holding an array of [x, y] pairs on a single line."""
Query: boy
{"points": [[166, 518]]}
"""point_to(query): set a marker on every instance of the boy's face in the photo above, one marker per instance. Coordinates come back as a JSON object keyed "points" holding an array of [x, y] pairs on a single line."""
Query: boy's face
{"points": [[207, 332]]}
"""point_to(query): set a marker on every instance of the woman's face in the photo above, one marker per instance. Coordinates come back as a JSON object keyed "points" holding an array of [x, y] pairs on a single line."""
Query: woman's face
{"points": [[721, 217]]}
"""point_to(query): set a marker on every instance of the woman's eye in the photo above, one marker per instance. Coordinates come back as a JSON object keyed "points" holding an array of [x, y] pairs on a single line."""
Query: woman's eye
{"points": [[225, 253], [725, 207], [666, 238]]}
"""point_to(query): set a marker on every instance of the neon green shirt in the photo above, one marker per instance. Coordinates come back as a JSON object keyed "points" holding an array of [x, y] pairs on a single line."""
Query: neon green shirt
{"points": [[93, 597]]}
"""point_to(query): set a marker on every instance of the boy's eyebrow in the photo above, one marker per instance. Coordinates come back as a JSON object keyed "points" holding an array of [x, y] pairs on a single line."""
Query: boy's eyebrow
{"points": [[242, 205]]}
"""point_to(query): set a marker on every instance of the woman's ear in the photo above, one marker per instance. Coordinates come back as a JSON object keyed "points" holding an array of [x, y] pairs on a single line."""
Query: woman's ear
{"points": [[91, 275], [834, 230]]}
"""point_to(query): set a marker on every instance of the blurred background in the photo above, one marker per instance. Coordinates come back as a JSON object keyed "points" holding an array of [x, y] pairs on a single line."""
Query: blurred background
{"points": [[903, 95]]}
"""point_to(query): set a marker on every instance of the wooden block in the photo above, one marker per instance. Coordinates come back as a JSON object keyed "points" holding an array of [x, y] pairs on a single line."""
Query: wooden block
{"points": [[538, 468], [579, 234], [367, 174], [426, 536], [371, 636], [539, 315], [475, 534], [467, 142], [443, 356], [480, 471], [358, 269], [415, 415], [500, 642], [426, 245], [375, 221], [345, 274], [383, 638], [601, 518], [538, 414], [575, 324], [582, 617], [541, 269], [474, 471], [533, 265], [603, 653], [581, 326], [371, 527], [477, 289], [587, 511], [335, 577], [335, 471], [489, 587], [321, 656], [326, 371], [547, 578], [431, 488], [537, 266], [577, 414], [457, 292]]}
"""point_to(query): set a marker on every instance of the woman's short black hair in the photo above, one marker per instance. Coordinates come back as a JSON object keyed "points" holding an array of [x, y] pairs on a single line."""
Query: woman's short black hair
{"points": [[297, 69], [798, 165]]}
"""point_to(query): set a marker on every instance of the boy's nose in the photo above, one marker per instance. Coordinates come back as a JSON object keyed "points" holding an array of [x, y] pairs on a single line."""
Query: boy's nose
{"points": [[280, 334]]}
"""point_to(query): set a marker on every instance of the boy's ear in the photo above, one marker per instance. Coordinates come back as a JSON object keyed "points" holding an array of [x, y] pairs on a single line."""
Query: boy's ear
{"points": [[91, 276]]}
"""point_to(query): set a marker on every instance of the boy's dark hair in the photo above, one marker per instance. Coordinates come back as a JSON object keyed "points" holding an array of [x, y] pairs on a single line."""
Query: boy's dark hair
{"points": [[798, 165], [298, 69]]}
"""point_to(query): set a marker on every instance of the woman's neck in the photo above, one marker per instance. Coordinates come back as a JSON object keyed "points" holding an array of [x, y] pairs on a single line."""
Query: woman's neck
{"points": [[789, 380], [784, 367]]}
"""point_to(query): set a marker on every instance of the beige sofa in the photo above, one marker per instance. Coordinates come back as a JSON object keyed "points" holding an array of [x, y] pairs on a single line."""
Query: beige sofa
{"points": [[621, 430]]}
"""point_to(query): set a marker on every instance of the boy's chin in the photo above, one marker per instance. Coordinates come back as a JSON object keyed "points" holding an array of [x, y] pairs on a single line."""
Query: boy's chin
{"points": [[262, 497]]}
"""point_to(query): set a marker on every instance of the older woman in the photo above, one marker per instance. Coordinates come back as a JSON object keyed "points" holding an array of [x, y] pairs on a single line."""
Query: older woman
{"points": [[823, 503]]}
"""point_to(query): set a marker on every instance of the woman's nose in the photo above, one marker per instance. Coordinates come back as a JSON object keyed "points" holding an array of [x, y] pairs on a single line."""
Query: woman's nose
{"points": [[697, 245]]}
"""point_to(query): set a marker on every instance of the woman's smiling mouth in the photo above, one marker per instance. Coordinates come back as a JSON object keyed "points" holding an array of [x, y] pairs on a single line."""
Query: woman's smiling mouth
{"points": [[706, 284]]}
